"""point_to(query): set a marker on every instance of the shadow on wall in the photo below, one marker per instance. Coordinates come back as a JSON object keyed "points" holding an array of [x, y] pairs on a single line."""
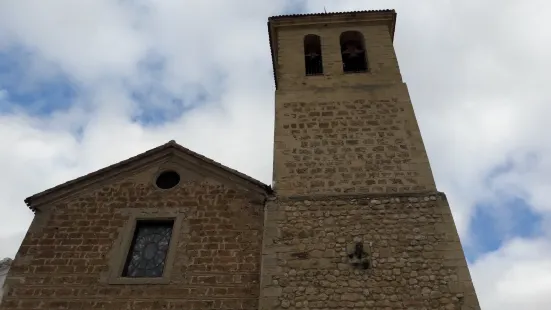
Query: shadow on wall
{"points": [[4, 268]]}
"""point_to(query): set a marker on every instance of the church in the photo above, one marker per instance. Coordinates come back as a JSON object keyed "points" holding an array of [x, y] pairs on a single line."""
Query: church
{"points": [[352, 220]]}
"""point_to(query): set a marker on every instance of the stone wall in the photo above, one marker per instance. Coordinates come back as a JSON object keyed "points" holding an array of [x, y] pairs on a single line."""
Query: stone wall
{"points": [[344, 132], [65, 259], [381, 57], [413, 251], [349, 140]]}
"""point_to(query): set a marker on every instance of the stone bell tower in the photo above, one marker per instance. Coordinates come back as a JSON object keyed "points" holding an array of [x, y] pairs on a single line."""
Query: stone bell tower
{"points": [[357, 222]]}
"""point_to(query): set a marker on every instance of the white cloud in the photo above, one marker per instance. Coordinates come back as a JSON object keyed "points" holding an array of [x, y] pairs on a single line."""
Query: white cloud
{"points": [[89, 39], [477, 73], [517, 276]]}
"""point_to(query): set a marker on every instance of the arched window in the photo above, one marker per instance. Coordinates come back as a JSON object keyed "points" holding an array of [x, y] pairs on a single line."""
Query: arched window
{"points": [[312, 55], [353, 52]]}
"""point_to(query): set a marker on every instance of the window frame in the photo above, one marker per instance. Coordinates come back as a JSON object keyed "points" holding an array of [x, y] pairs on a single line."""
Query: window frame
{"points": [[122, 247]]}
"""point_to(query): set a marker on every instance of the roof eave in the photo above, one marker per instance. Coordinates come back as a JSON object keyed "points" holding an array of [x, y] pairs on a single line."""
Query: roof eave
{"points": [[152, 155]]}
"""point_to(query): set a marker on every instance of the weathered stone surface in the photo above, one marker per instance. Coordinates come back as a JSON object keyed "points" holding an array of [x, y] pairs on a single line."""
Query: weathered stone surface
{"points": [[345, 133], [216, 266], [349, 153], [406, 251], [350, 168], [355, 222]]}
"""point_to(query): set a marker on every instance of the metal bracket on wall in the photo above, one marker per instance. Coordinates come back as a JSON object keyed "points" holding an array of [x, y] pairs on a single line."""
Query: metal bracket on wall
{"points": [[358, 257]]}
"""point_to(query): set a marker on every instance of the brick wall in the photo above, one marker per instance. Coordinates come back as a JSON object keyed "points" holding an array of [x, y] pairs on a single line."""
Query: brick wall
{"points": [[416, 259], [64, 260]]}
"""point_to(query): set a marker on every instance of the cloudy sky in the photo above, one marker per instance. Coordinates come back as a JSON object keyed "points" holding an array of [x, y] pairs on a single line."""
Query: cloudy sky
{"points": [[84, 84]]}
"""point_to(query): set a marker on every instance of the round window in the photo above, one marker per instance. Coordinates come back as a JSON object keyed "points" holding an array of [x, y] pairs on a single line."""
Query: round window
{"points": [[167, 179]]}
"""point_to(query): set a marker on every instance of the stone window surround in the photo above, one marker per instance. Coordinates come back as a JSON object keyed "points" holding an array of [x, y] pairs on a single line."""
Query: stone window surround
{"points": [[367, 70], [121, 247]]}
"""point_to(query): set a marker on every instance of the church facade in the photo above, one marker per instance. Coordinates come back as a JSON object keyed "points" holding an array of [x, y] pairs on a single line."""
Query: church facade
{"points": [[353, 219]]}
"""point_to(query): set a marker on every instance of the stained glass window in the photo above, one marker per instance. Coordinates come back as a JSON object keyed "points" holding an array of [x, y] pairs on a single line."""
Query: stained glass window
{"points": [[149, 249]]}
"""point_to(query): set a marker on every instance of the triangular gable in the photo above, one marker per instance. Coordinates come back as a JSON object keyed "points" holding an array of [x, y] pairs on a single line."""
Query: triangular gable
{"points": [[154, 155]]}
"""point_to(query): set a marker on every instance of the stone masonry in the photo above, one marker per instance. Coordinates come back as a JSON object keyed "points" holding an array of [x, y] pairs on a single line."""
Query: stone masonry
{"points": [[416, 260], [349, 141], [344, 133], [353, 221], [351, 170], [66, 257]]}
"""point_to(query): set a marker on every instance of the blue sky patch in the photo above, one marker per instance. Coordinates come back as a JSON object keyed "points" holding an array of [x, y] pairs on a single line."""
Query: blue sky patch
{"points": [[493, 225], [156, 104], [35, 94], [508, 215], [294, 7]]}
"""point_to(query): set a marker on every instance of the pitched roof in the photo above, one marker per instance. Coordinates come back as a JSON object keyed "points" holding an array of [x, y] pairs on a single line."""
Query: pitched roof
{"points": [[273, 49], [152, 153]]}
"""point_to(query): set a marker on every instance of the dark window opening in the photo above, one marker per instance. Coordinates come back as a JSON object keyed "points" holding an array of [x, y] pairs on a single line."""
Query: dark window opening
{"points": [[167, 179], [149, 249], [353, 52], [312, 55]]}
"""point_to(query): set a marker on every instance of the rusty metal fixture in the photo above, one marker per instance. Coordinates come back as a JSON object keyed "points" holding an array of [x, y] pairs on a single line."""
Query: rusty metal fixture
{"points": [[359, 258]]}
